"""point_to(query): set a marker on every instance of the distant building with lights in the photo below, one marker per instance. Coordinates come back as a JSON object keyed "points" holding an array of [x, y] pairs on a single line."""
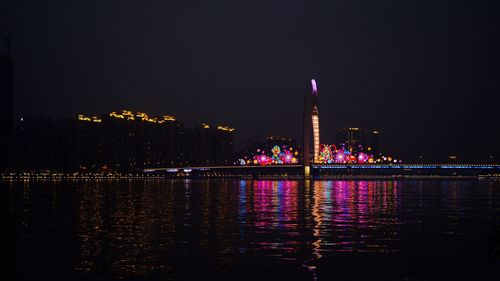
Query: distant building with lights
{"points": [[213, 145], [224, 150], [134, 141], [123, 141], [280, 141], [353, 138], [370, 140]]}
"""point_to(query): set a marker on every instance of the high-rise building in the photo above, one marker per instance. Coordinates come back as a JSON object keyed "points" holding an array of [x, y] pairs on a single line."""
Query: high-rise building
{"points": [[206, 144], [6, 110], [86, 141], [280, 141], [349, 137], [355, 138], [122, 141], [214, 145], [134, 141], [370, 140], [224, 146]]}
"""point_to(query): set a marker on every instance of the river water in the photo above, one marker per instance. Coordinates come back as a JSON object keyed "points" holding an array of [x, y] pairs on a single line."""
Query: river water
{"points": [[253, 229]]}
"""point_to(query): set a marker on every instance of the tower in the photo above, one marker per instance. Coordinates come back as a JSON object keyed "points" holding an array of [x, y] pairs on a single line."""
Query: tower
{"points": [[311, 124]]}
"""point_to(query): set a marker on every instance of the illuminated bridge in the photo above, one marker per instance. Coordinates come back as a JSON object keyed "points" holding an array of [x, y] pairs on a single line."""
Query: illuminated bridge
{"points": [[313, 159], [319, 171]]}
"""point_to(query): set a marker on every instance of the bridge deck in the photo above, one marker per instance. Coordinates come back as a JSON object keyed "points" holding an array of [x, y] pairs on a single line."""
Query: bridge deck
{"points": [[319, 167]]}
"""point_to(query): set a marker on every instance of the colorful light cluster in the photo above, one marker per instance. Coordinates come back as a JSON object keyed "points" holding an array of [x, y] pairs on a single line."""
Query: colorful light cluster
{"points": [[329, 154], [277, 156]]}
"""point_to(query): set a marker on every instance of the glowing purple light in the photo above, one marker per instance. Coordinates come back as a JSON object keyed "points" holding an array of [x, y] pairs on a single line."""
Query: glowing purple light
{"points": [[314, 87], [362, 158], [286, 157], [339, 157]]}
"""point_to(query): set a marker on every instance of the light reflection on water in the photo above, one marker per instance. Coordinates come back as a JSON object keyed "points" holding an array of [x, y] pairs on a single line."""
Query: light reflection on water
{"points": [[152, 227]]}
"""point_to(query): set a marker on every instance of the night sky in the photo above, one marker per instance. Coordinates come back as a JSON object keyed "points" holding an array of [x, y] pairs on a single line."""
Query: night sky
{"points": [[423, 72]]}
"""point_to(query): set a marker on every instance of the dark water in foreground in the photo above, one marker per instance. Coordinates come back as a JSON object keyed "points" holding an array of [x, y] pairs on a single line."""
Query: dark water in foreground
{"points": [[248, 230]]}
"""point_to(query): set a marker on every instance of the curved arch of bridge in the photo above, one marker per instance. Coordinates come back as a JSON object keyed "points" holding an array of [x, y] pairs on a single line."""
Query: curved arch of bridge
{"points": [[310, 124]]}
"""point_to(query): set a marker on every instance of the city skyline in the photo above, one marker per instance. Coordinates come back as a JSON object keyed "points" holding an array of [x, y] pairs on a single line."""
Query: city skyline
{"points": [[250, 140], [422, 72], [337, 137]]}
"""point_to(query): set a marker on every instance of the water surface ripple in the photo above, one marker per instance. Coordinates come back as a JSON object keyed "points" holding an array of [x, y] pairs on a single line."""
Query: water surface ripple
{"points": [[247, 229]]}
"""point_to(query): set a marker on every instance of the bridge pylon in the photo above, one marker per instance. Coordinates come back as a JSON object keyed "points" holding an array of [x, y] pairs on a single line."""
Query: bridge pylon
{"points": [[310, 125]]}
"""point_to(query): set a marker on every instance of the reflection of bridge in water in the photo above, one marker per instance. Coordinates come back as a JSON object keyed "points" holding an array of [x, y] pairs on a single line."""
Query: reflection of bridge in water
{"points": [[311, 165]]}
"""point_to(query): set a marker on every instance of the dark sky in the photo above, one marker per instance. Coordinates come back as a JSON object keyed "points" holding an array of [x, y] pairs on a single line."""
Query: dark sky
{"points": [[423, 72]]}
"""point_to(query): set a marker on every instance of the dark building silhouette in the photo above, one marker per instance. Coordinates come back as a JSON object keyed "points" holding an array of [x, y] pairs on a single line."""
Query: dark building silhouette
{"points": [[206, 144], [213, 145], [280, 141], [65, 154], [224, 146], [134, 141], [370, 140], [350, 137], [35, 143], [123, 141], [6, 110], [354, 138], [251, 149]]}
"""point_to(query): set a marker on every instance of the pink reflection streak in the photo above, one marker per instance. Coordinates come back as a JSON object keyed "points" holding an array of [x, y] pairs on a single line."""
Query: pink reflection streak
{"points": [[346, 209], [278, 200]]}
